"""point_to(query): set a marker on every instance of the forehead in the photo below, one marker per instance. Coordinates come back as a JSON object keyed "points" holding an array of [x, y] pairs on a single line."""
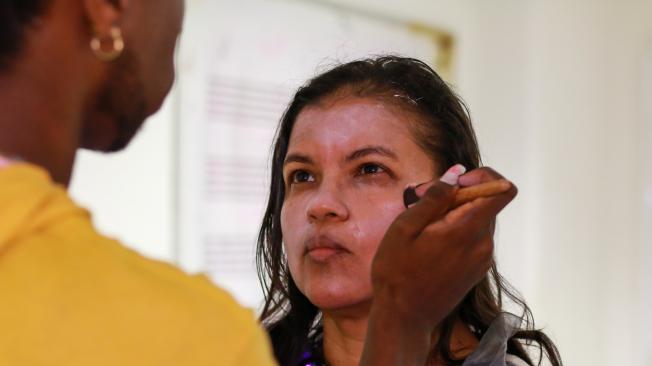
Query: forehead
{"points": [[347, 123]]}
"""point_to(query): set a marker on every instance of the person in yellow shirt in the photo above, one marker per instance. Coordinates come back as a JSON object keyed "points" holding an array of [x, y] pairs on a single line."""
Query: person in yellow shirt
{"points": [[70, 296], [86, 74]]}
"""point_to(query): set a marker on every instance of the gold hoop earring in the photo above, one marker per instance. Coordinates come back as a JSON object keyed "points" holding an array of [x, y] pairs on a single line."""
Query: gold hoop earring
{"points": [[118, 45]]}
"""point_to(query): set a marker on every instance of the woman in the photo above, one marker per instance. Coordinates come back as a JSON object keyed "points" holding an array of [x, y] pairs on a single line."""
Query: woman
{"points": [[348, 145]]}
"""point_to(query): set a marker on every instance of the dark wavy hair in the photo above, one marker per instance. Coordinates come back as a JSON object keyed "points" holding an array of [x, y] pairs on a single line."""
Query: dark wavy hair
{"points": [[15, 17], [445, 133]]}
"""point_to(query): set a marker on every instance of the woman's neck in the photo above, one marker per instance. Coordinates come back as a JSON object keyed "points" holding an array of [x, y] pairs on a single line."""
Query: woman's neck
{"points": [[344, 337]]}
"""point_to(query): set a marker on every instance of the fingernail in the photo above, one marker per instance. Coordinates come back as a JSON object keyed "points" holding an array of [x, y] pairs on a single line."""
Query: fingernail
{"points": [[453, 174]]}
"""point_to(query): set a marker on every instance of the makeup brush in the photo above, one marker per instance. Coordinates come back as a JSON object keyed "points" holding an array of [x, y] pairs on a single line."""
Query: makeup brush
{"points": [[466, 194]]}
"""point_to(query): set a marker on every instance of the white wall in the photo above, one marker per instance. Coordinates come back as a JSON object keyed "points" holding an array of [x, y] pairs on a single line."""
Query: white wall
{"points": [[645, 274], [131, 193], [587, 118]]}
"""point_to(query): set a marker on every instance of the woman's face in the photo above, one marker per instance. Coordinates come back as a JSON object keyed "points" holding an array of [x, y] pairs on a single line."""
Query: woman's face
{"points": [[347, 165]]}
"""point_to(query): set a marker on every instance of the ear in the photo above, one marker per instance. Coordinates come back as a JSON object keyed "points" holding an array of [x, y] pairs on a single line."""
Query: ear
{"points": [[104, 14]]}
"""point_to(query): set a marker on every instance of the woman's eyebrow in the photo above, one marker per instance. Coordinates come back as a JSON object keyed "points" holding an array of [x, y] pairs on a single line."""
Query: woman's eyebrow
{"points": [[297, 158], [371, 150]]}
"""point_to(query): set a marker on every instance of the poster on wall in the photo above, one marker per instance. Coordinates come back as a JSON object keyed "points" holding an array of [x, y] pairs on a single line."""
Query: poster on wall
{"points": [[239, 65]]}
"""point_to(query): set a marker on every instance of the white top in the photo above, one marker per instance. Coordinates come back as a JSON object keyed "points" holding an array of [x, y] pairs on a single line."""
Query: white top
{"points": [[492, 349], [512, 360]]}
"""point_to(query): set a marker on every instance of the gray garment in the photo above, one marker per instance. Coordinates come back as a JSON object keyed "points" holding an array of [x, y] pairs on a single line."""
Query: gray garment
{"points": [[492, 350]]}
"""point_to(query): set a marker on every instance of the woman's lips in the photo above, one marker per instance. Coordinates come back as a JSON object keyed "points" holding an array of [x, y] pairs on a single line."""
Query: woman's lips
{"points": [[323, 248]]}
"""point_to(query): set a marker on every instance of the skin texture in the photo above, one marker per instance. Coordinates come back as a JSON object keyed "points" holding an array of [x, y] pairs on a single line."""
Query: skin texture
{"points": [[57, 96], [335, 197], [344, 189], [348, 162]]}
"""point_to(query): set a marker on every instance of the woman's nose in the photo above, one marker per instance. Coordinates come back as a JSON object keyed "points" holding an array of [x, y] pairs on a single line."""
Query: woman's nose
{"points": [[327, 205]]}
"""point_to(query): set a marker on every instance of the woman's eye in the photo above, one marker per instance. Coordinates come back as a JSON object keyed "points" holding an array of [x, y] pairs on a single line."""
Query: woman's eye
{"points": [[301, 176], [368, 169]]}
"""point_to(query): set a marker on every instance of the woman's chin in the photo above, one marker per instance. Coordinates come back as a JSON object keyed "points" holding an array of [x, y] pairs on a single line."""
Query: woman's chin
{"points": [[334, 287], [341, 303]]}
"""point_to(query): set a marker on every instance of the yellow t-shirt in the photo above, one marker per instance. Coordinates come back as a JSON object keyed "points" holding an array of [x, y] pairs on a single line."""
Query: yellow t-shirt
{"points": [[70, 296]]}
